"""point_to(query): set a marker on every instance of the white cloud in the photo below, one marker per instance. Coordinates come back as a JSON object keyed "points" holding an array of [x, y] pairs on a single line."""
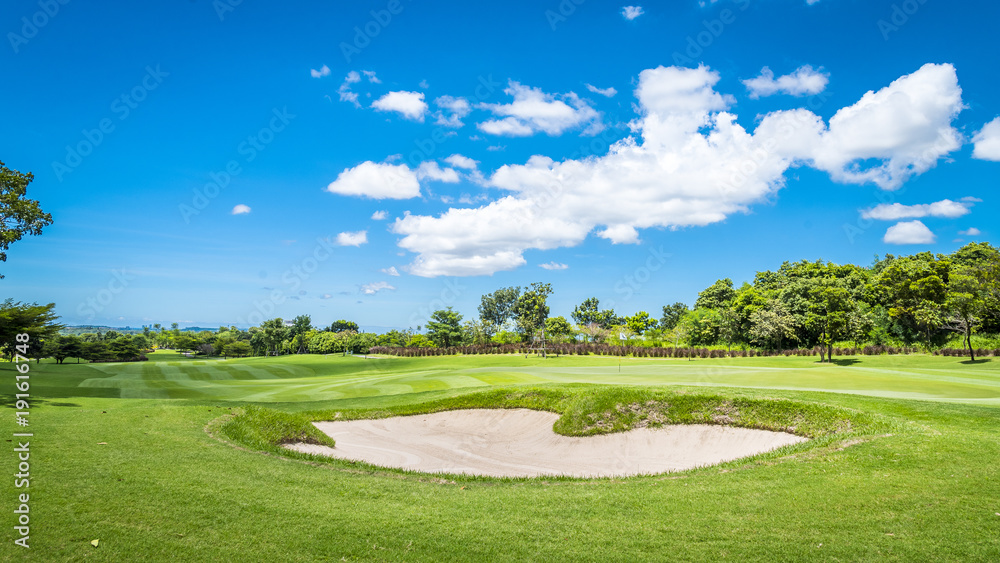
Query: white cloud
{"points": [[430, 170], [804, 81], [632, 12], [606, 92], [970, 232], [380, 216], [370, 75], [892, 212], [533, 111], [452, 111], [987, 141], [326, 296], [909, 232], [373, 288], [324, 71], [459, 161], [377, 181], [553, 266], [423, 84], [346, 95], [391, 270], [241, 209], [410, 105], [352, 239], [905, 128], [689, 164]]}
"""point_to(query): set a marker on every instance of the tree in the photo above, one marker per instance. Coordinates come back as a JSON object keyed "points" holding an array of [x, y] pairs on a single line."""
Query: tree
{"points": [[558, 327], [274, 332], [474, 331], [531, 309], [497, 309], [966, 303], [19, 216], [717, 295], [445, 328], [828, 311], [639, 323], [589, 312], [772, 325], [342, 325], [672, 315], [37, 321], [238, 348], [122, 348], [63, 347]]}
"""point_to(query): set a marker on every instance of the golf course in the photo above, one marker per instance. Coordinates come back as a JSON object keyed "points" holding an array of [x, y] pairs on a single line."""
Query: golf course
{"points": [[183, 459]]}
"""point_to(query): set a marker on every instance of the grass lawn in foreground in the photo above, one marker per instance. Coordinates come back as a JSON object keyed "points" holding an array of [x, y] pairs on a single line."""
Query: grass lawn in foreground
{"points": [[160, 487]]}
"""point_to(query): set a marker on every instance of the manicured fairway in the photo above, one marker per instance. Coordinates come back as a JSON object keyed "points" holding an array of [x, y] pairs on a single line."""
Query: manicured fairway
{"points": [[319, 378], [121, 454]]}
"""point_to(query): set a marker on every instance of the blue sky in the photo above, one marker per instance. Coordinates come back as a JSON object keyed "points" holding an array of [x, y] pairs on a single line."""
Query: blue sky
{"points": [[213, 164]]}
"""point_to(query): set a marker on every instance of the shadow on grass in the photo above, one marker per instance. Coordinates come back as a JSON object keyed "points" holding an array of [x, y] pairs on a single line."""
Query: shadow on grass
{"points": [[976, 362], [845, 361], [11, 400]]}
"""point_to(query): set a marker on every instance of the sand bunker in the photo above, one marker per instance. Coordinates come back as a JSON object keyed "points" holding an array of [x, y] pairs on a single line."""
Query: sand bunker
{"points": [[521, 443]]}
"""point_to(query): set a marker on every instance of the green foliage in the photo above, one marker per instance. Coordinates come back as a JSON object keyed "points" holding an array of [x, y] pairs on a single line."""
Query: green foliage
{"points": [[497, 309], [672, 314], [557, 328], [37, 321], [716, 296], [19, 215], [640, 322], [342, 325], [531, 308], [589, 313], [445, 328]]}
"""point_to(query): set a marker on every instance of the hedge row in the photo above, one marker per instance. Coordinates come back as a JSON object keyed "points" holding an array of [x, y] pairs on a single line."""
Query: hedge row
{"points": [[637, 351]]}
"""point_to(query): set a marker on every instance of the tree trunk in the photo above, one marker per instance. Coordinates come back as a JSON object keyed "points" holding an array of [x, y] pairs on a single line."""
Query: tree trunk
{"points": [[968, 340]]}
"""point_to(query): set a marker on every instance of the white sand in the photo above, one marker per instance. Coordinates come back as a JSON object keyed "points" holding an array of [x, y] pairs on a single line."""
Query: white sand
{"points": [[521, 443]]}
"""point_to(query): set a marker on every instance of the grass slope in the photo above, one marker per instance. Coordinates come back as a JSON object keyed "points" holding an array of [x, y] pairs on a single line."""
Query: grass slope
{"points": [[161, 487]]}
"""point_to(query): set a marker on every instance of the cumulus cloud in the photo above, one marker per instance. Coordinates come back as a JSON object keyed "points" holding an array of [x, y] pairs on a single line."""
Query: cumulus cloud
{"points": [[377, 181], [632, 12], [352, 239], [391, 270], [430, 170], [606, 92], [892, 212], [373, 288], [324, 71], [804, 81], [241, 209], [909, 232], [459, 161], [970, 232], [370, 75], [410, 105], [554, 266], [887, 137], [380, 215], [689, 163], [987, 141], [534, 111], [452, 111]]}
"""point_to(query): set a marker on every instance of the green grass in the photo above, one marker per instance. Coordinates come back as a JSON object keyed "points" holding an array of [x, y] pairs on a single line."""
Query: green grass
{"points": [[189, 468]]}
